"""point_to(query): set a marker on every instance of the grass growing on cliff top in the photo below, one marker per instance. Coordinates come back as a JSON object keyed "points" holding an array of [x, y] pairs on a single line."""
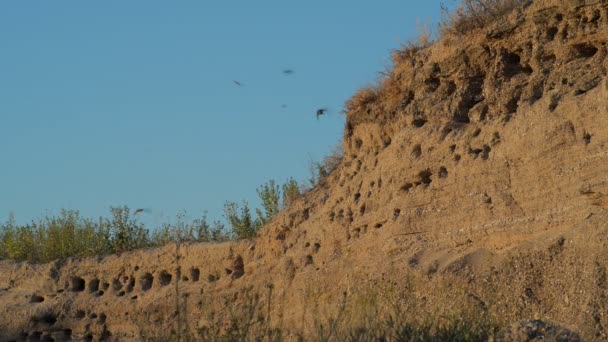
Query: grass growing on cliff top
{"points": [[69, 234], [391, 93], [475, 14]]}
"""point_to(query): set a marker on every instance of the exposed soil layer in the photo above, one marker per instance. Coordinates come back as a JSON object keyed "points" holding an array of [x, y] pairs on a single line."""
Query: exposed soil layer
{"points": [[475, 176]]}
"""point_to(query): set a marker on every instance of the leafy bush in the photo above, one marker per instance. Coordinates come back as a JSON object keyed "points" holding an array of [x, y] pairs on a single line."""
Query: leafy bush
{"points": [[198, 230], [270, 195], [127, 233], [70, 235], [273, 197], [242, 223], [291, 191], [55, 237]]}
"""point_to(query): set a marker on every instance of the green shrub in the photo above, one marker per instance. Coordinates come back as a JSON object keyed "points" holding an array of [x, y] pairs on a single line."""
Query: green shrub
{"points": [[273, 198], [291, 191], [198, 230], [127, 233], [240, 219], [270, 196], [55, 237]]}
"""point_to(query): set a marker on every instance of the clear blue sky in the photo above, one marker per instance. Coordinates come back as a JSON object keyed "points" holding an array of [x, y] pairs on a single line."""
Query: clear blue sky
{"points": [[106, 103]]}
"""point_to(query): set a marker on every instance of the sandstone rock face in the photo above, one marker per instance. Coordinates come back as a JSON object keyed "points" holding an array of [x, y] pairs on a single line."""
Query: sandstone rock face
{"points": [[473, 177]]}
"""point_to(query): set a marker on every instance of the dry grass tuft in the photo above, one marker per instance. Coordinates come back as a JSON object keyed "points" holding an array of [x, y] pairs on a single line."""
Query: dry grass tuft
{"points": [[362, 98], [475, 14]]}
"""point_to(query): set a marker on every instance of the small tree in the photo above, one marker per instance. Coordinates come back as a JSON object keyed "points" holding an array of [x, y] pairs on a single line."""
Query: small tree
{"points": [[127, 234], [241, 221], [291, 191], [270, 195], [206, 232]]}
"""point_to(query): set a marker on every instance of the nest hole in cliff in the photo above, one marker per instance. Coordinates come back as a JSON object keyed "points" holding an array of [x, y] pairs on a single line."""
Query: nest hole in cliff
{"points": [[131, 285], [94, 285], [584, 50], [417, 151], [551, 33], [419, 123], [45, 317], [396, 213], [78, 284], [80, 314], [485, 154], [425, 177], [308, 260], [358, 144], [513, 65], [443, 172], [238, 266], [362, 209], [407, 187], [195, 274], [36, 299], [146, 282], [165, 278], [116, 285], [587, 138]]}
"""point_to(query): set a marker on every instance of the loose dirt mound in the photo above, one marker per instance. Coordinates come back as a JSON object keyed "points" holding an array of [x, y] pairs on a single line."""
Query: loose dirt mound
{"points": [[475, 178]]}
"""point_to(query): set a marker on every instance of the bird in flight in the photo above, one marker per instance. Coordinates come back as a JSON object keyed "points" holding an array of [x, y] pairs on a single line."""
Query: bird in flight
{"points": [[237, 83], [140, 210], [288, 71], [321, 112]]}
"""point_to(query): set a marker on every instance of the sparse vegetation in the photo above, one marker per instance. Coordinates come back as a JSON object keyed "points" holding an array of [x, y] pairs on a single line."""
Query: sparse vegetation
{"points": [[71, 235], [354, 320], [273, 198], [320, 170], [387, 94], [474, 14], [68, 234]]}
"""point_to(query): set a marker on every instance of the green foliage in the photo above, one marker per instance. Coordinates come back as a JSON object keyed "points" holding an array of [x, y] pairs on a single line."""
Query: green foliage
{"points": [[53, 237], [273, 197], [127, 233], [270, 196], [240, 219], [291, 191], [198, 230], [70, 235]]}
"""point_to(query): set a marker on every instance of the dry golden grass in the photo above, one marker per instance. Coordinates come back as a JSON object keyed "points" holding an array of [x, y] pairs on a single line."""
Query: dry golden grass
{"points": [[475, 14]]}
